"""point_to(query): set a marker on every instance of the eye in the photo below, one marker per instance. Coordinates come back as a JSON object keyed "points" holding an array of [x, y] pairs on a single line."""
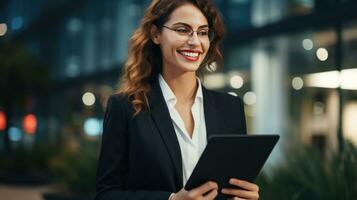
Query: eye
{"points": [[182, 30], [203, 32]]}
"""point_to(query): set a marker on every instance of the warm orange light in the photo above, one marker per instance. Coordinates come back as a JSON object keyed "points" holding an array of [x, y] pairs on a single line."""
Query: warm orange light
{"points": [[2, 121], [30, 124]]}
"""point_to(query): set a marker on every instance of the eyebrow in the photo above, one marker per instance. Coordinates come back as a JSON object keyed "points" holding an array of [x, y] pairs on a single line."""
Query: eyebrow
{"points": [[182, 23]]}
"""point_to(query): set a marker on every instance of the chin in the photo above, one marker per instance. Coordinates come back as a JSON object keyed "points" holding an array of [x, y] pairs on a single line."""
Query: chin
{"points": [[191, 68], [184, 67]]}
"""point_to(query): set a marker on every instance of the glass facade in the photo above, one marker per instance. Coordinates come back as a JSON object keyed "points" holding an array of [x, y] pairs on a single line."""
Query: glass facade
{"points": [[85, 44], [285, 58]]}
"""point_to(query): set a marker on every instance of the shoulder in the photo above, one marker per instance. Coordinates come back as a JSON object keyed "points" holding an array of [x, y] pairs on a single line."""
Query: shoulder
{"points": [[117, 99], [223, 99], [117, 102]]}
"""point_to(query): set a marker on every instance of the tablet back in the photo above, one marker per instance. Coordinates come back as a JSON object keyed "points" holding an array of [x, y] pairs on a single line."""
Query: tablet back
{"points": [[232, 156]]}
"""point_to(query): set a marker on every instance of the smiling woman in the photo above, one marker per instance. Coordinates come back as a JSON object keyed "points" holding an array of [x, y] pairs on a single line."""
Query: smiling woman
{"points": [[145, 59], [156, 125], [182, 48]]}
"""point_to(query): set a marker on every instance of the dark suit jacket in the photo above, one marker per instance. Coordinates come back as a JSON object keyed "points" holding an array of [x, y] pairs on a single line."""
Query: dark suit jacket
{"points": [[140, 156]]}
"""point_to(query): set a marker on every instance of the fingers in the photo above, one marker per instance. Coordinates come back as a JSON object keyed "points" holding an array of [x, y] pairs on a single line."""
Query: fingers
{"points": [[248, 190], [244, 184], [241, 194], [237, 198], [211, 195], [208, 186]]}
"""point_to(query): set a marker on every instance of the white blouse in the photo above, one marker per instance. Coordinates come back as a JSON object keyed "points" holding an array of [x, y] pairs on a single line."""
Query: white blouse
{"points": [[191, 148]]}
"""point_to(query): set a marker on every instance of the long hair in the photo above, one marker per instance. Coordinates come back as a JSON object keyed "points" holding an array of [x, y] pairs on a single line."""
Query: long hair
{"points": [[144, 61]]}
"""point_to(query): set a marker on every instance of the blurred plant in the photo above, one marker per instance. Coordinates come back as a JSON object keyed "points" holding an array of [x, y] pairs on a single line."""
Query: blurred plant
{"points": [[306, 175], [23, 166], [75, 170]]}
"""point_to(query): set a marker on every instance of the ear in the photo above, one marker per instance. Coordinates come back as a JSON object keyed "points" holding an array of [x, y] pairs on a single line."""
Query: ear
{"points": [[155, 34]]}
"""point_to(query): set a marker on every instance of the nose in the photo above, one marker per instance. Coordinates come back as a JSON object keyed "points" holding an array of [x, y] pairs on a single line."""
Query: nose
{"points": [[193, 39]]}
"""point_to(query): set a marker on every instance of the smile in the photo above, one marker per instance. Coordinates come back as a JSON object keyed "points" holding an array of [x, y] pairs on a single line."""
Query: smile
{"points": [[189, 55]]}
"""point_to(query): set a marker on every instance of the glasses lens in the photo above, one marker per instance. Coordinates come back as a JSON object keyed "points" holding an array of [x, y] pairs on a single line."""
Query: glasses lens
{"points": [[185, 33]]}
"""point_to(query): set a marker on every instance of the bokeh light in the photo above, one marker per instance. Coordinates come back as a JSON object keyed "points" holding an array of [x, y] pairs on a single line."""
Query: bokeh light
{"points": [[15, 134], [92, 126], [236, 81], [74, 25], [307, 44], [3, 29], [30, 124], [88, 99], [322, 54], [250, 98], [2, 121], [17, 23], [214, 81], [297, 83]]}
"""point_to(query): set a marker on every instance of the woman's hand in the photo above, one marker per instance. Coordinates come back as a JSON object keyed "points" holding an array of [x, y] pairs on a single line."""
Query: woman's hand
{"points": [[248, 191], [207, 191]]}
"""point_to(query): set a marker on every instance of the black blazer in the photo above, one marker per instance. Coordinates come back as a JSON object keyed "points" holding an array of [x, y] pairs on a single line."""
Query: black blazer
{"points": [[140, 156]]}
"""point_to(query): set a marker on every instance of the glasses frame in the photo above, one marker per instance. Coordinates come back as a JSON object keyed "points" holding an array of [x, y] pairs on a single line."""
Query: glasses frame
{"points": [[210, 38]]}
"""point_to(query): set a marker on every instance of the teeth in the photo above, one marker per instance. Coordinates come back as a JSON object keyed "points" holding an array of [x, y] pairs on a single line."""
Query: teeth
{"points": [[190, 54]]}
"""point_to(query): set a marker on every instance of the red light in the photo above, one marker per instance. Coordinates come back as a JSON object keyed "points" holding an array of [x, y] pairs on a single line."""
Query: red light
{"points": [[2, 121], [30, 124]]}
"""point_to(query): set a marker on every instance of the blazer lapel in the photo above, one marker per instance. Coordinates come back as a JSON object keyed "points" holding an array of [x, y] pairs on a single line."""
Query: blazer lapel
{"points": [[212, 115], [162, 119]]}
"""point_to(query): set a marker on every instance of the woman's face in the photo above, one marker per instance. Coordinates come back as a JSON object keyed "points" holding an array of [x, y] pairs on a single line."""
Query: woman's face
{"points": [[183, 53]]}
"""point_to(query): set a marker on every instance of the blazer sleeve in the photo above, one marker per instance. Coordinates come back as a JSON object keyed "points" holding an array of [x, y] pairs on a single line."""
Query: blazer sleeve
{"points": [[113, 164]]}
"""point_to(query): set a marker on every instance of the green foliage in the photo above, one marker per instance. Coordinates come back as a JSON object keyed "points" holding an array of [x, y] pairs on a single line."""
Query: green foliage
{"points": [[21, 163], [307, 175], [75, 170]]}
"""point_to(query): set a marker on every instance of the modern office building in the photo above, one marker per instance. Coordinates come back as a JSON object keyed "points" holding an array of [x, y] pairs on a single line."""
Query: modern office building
{"points": [[293, 62]]}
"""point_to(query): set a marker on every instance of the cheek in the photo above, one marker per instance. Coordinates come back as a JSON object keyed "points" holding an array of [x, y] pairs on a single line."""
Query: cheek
{"points": [[207, 48], [168, 48]]}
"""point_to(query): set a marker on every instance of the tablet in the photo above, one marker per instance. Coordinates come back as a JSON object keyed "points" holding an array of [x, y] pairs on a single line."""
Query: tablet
{"points": [[231, 156]]}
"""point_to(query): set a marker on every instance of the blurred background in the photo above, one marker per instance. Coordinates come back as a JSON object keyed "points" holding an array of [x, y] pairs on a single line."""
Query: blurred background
{"points": [[293, 62]]}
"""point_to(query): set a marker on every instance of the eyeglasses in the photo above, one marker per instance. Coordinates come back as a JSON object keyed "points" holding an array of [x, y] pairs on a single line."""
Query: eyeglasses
{"points": [[186, 32]]}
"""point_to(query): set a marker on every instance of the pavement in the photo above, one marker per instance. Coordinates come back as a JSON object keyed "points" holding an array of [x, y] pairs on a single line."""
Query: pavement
{"points": [[11, 192]]}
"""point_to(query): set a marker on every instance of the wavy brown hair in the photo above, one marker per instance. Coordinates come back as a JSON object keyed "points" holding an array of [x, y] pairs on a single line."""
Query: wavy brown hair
{"points": [[144, 61]]}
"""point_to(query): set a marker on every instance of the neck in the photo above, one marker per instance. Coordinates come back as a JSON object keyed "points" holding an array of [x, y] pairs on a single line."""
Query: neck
{"points": [[184, 86]]}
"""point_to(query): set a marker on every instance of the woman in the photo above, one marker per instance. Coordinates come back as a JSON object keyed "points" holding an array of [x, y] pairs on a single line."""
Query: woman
{"points": [[156, 126]]}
